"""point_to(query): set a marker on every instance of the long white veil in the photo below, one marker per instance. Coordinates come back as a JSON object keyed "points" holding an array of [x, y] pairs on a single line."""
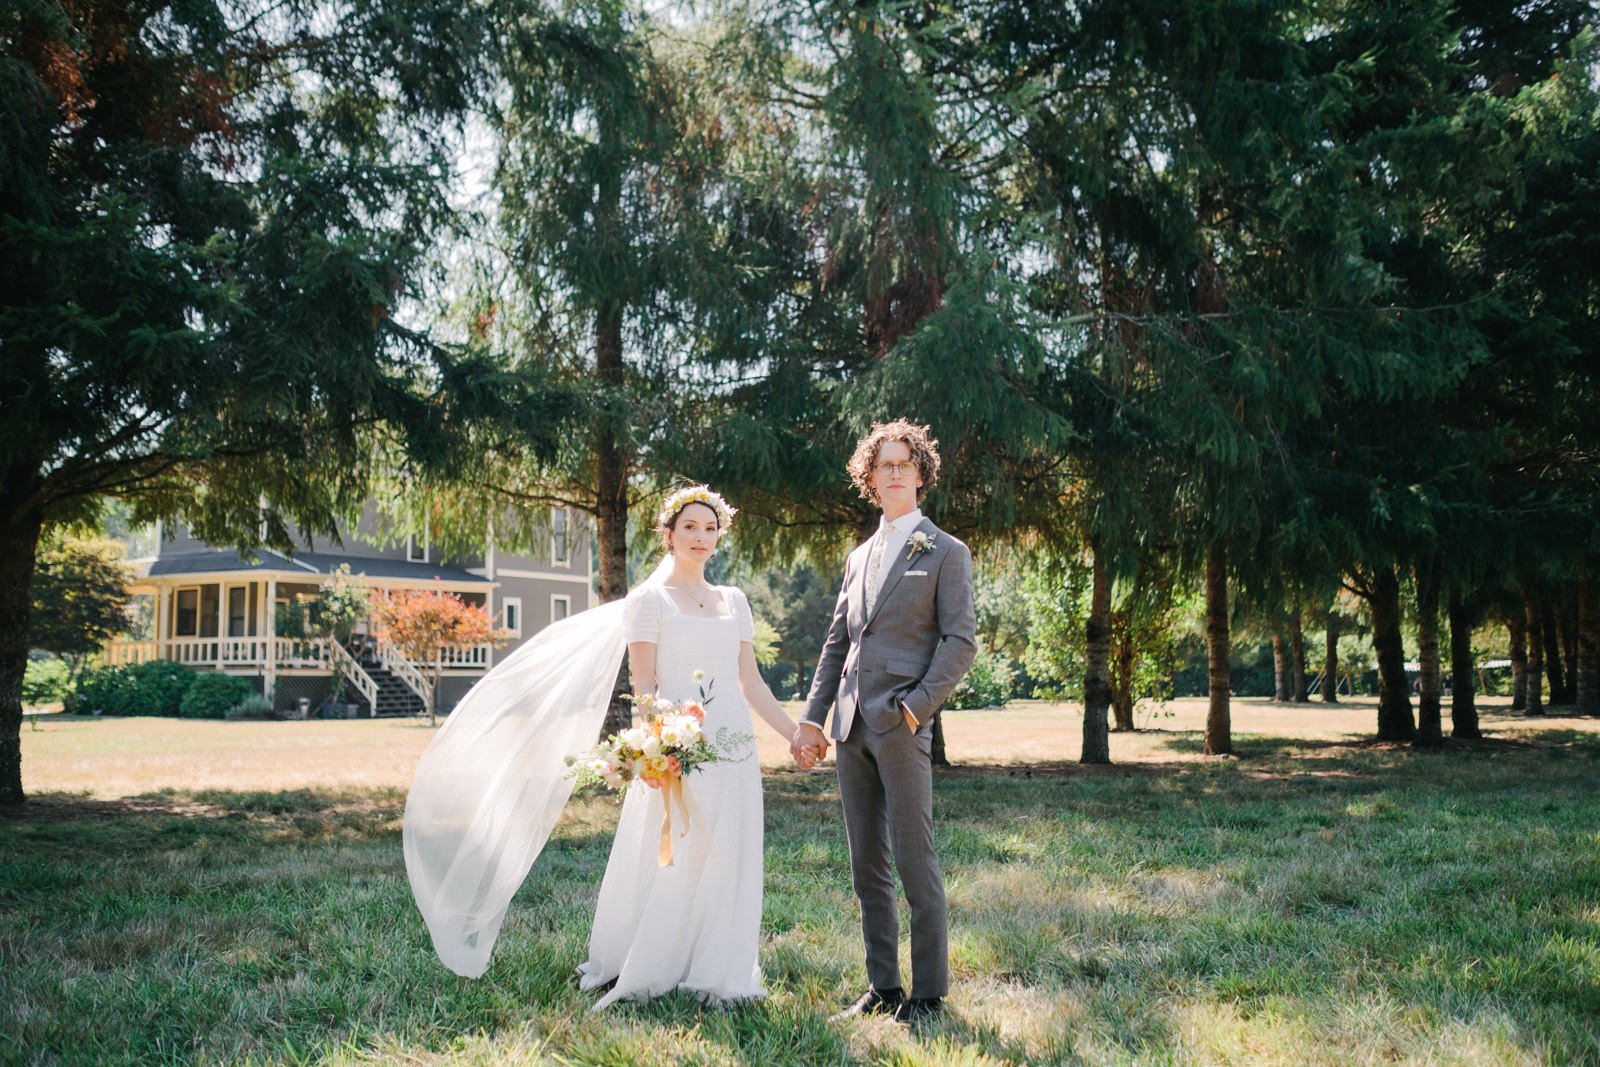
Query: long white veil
{"points": [[492, 783]]}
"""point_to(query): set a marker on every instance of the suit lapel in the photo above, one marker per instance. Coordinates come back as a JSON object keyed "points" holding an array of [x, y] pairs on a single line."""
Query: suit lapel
{"points": [[898, 567], [858, 586]]}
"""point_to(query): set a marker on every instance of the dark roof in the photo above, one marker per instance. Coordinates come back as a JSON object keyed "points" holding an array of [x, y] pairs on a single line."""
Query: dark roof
{"points": [[312, 564], [327, 563]]}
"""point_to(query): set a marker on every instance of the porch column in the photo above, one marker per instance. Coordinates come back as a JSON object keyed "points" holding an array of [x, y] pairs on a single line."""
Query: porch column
{"points": [[270, 685], [262, 625], [222, 620], [160, 621]]}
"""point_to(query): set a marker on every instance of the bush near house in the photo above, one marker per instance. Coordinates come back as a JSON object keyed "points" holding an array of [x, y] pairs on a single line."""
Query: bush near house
{"points": [[156, 687], [45, 682], [212, 693], [254, 706]]}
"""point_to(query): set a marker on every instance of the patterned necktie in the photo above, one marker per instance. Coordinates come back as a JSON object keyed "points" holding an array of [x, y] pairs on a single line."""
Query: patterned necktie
{"points": [[875, 567]]}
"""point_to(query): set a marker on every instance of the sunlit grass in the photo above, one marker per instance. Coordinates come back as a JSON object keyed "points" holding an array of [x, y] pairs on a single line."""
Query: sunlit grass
{"points": [[1319, 903]]}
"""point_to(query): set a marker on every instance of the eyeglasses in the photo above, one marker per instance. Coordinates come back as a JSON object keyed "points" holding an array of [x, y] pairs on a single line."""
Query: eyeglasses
{"points": [[891, 470]]}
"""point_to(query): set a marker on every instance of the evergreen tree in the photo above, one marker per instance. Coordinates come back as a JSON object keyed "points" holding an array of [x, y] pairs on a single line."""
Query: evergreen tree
{"points": [[211, 216]]}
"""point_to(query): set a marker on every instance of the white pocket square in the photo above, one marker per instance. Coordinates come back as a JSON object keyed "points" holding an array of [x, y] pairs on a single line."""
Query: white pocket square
{"points": [[916, 574]]}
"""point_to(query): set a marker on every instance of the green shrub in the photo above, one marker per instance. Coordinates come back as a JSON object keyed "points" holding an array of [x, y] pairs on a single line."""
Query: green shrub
{"points": [[987, 684], [44, 681], [156, 687], [254, 706], [212, 693], [97, 690]]}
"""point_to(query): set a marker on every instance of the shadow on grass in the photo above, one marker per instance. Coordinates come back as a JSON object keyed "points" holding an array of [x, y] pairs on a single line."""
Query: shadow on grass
{"points": [[1301, 900]]}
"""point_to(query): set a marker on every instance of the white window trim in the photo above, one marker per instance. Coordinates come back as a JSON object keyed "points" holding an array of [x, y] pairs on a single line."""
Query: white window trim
{"points": [[512, 605], [561, 598], [555, 560], [411, 549]]}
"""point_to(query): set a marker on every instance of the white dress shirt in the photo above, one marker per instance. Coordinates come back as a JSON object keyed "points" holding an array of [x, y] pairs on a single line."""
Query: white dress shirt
{"points": [[894, 541], [894, 537]]}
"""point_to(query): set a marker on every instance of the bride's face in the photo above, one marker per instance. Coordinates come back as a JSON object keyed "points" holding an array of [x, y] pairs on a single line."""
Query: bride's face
{"points": [[694, 533]]}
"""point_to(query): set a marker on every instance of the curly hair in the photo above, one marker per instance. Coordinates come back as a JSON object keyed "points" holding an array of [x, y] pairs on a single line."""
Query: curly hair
{"points": [[924, 453]]}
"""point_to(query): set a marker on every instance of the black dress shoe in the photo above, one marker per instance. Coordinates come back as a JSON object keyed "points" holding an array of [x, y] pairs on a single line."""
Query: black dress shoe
{"points": [[916, 1010], [875, 1002]]}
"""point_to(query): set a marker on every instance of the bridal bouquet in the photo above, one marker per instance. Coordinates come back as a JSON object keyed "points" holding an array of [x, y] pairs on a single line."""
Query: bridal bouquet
{"points": [[670, 743]]}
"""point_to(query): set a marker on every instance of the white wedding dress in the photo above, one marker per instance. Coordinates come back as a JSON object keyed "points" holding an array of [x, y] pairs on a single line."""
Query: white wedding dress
{"points": [[693, 925]]}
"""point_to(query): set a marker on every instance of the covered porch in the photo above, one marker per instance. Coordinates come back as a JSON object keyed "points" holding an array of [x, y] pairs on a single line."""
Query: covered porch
{"points": [[217, 611]]}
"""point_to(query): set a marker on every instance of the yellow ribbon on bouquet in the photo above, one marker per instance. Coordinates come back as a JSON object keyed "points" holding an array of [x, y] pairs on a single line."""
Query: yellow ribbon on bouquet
{"points": [[672, 792]]}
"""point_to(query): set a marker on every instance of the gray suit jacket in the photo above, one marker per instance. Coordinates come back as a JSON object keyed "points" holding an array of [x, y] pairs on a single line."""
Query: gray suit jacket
{"points": [[916, 645]]}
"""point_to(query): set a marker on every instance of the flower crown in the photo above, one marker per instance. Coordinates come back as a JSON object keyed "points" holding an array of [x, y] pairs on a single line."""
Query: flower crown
{"points": [[696, 494]]}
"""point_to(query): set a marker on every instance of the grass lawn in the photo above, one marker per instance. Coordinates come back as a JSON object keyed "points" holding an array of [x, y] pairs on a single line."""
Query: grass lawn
{"points": [[229, 892]]}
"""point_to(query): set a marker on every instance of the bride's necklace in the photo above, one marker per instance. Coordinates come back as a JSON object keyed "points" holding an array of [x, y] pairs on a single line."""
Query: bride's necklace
{"points": [[700, 596]]}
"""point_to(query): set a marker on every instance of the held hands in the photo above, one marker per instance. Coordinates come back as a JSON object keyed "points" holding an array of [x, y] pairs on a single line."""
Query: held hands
{"points": [[807, 745]]}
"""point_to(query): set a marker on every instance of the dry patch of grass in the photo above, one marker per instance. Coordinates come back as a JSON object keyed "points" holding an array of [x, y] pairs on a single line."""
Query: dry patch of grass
{"points": [[1319, 900], [106, 758]]}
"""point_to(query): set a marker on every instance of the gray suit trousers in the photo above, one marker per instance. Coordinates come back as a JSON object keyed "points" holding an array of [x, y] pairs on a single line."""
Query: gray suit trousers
{"points": [[886, 787]]}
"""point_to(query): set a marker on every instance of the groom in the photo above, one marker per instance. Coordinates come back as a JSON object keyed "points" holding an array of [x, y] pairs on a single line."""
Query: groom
{"points": [[901, 638]]}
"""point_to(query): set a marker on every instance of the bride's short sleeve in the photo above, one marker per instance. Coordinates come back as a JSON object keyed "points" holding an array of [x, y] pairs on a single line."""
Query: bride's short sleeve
{"points": [[641, 616], [747, 621]]}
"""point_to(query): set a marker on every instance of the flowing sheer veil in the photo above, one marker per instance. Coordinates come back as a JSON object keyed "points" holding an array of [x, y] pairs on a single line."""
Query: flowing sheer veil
{"points": [[492, 783]]}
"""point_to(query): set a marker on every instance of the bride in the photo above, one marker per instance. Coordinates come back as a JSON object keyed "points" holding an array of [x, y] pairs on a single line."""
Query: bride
{"points": [[490, 787]]}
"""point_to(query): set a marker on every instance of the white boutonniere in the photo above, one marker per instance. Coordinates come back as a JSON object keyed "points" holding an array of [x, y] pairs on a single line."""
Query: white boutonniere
{"points": [[918, 544]]}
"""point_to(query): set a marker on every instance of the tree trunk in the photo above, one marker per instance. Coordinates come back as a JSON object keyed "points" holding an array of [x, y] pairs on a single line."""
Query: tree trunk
{"points": [[611, 498], [1123, 657], [937, 755], [1553, 666], [1097, 667], [1430, 729], [1280, 668], [1330, 661], [433, 689], [1517, 639], [1535, 703], [1297, 653], [1567, 628], [19, 545], [1394, 697], [1588, 694], [1219, 730], [1463, 707]]}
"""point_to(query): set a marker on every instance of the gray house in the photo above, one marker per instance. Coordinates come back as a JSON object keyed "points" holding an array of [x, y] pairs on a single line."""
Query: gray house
{"points": [[215, 609]]}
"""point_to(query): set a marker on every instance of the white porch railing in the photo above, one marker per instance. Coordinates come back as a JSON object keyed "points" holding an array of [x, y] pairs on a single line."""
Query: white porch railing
{"points": [[395, 662], [348, 667], [194, 651], [311, 653], [464, 657], [122, 653]]}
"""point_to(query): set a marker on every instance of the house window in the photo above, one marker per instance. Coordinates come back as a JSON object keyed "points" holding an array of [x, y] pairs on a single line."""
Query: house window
{"points": [[238, 611], [513, 614], [210, 610], [415, 552], [560, 608], [560, 536], [186, 614]]}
